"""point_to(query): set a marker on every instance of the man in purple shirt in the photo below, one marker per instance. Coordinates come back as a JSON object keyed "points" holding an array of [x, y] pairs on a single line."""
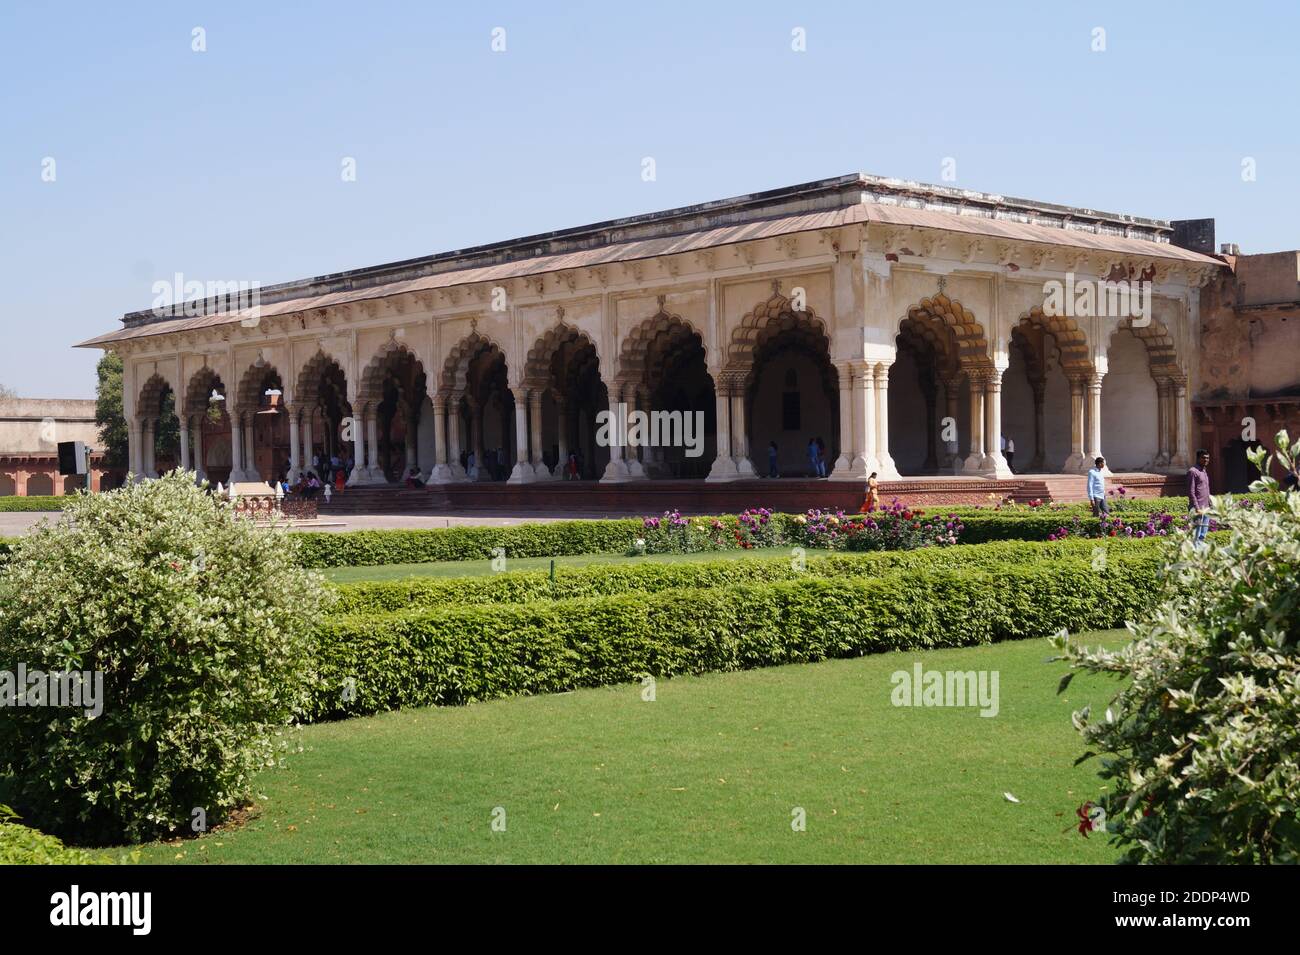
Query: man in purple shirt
{"points": [[1198, 495]]}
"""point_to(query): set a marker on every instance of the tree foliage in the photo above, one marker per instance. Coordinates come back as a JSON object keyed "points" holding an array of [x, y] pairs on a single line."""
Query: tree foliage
{"points": [[201, 625], [108, 410], [1201, 746]]}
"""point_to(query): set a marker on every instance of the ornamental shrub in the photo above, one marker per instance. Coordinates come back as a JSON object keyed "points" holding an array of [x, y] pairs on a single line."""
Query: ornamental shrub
{"points": [[199, 625], [1201, 746]]}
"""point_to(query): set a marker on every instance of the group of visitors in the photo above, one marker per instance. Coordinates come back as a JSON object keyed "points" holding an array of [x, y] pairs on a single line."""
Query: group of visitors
{"points": [[329, 468], [816, 458], [309, 485]]}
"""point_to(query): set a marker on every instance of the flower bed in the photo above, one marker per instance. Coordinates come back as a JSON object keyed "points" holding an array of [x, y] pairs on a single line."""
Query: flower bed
{"points": [[896, 527]]}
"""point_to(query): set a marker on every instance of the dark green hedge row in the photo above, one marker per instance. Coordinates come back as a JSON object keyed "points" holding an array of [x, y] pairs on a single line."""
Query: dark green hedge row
{"points": [[368, 664], [653, 576], [365, 548], [37, 502], [1120, 506], [564, 538]]}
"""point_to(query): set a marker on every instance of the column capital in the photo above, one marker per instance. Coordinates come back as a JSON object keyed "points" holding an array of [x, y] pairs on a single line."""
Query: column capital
{"points": [[862, 369]]}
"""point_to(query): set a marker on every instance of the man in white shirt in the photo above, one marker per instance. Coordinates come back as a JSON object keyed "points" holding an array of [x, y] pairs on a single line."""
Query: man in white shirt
{"points": [[1009, 451]]}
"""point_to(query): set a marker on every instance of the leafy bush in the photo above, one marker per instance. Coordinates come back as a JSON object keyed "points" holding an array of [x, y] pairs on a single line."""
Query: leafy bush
{"points": [[22, 845], [369, 663], [1202, 743], [200, 625]]}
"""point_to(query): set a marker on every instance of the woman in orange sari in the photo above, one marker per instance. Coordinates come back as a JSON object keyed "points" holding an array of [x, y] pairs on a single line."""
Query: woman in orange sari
{"points": [[873, 495]]}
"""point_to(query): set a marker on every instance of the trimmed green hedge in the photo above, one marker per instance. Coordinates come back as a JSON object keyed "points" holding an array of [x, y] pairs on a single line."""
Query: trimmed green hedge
{"points": [[426, 593], [41, 502], [565, 538], [1120, 507], [368, 664], [364, 548]]}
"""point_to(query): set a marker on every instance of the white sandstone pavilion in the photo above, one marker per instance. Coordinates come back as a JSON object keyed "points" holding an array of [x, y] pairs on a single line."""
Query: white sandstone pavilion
{"points": [[901, 323]]}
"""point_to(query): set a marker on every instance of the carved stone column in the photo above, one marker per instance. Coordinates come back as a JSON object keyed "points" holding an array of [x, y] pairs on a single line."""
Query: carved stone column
{"points": [[843, 467], [454, 467], [974, 463], [929, 391], [523, 471], [535, 430], [724, 465], [236, 448], [951, 461], [864, 421], [295, 449], [888, 471], [995, 465], [740, 435], [1178, 415], [1039, 461], [1074, 464], [185, 442], [616, 471], [440, 473], [1163, 452], [359, 475], [1093, 450]]}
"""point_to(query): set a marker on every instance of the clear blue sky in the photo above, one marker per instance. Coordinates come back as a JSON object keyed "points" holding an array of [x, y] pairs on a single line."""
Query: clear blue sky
{"points": [[226, 164]]}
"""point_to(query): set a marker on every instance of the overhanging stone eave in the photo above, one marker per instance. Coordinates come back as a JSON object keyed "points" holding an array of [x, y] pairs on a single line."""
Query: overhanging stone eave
{"points": [[864, 212]]}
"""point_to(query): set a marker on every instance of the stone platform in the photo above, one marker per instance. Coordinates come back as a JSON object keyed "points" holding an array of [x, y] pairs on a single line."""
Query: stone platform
{"points": [[595, 499]]}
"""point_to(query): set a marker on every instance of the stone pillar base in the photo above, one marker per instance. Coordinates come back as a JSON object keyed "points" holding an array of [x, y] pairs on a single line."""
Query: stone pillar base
{"points": [[842, 469], [635, 471], [615, 472], [886, 470], [996, 466], [863, 466], [523, 473], [1075, 464], [744, 469], [724, 469]]}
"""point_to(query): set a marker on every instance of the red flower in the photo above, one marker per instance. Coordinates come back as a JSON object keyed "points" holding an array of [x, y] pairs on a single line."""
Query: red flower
{"points": [[1084, 813]]}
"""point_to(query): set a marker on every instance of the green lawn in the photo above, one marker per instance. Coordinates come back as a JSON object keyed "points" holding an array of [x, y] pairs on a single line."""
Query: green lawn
{"points": [[708, 772], [478, 568]]}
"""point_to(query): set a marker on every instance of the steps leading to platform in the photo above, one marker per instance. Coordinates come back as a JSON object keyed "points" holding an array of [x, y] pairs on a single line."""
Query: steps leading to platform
{"points": [[382, 499]]}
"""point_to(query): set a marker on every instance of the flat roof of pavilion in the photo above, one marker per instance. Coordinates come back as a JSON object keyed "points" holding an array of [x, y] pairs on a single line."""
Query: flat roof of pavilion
{"points": [[808, 207]]}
